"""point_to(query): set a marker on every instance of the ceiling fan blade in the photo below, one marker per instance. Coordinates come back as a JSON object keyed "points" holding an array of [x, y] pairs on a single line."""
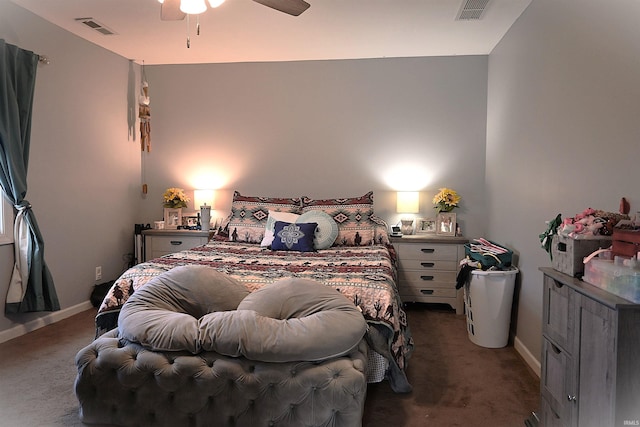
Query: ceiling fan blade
{"points": [[292, 7], [170, 11]]}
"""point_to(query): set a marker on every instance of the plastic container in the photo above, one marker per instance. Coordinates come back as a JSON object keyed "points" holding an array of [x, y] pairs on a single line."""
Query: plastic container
{"points": [[488, 297], [613, 277]]}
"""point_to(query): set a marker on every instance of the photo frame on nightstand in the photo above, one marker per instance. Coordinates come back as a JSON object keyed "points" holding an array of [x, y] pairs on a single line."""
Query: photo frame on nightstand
{"points": [[172, 218], [190, 222], [446, 224], [425, 225]]}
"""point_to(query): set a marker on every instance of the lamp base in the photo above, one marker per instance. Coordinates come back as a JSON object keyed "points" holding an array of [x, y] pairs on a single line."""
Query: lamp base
{"points": [[205, 217], [407, 226]]}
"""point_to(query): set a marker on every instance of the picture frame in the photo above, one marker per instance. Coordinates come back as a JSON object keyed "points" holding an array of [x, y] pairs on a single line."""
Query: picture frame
{"points": [[446, 224], [190, 222], [425, 226], [172, 218]]}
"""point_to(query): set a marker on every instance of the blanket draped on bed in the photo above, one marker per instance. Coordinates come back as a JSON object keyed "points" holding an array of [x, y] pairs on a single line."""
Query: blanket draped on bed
{"points": [[364, 274]]}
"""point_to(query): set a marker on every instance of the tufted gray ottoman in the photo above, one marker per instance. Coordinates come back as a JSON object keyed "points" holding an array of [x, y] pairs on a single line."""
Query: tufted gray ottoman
{"points": [[292, 354], [130, 386]]}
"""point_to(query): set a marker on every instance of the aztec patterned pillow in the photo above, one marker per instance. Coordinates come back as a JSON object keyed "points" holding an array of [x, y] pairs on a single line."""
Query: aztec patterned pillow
{"points": [[380, 231], [353, 216], [248, 218]]}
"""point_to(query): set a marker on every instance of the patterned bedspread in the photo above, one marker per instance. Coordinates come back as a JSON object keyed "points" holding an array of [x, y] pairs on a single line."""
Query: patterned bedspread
{"points": [[365, 274]]}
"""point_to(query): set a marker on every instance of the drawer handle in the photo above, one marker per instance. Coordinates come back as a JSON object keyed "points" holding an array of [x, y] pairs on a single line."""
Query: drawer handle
{"points": [[426, 291], [426, 277], [571, 398], [176, 242], [428, 250], [427, 264]]}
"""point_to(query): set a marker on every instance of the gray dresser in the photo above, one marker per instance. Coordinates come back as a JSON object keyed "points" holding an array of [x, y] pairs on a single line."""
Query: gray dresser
{"points": [[590, 366]]}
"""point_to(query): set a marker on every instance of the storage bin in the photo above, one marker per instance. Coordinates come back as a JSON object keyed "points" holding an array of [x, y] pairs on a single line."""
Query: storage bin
{"points": [[626, 242], [488, 296], [618, 279], [568, 254]]}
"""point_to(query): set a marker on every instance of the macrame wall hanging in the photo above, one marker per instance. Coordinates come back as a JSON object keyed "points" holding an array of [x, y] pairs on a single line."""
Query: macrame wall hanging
{"points": [[144, 113]]}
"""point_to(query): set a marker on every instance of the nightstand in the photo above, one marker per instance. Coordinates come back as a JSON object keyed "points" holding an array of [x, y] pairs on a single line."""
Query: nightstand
{"points": [[163, 242], [427, 268]]}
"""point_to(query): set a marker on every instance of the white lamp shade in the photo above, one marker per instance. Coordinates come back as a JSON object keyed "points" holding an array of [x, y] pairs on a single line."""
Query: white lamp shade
{"points": [[202, 198], [408, 202], [192, 7]]}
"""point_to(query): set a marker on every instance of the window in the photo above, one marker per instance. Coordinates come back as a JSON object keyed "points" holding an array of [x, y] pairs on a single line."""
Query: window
{"points": [[6, 221]]}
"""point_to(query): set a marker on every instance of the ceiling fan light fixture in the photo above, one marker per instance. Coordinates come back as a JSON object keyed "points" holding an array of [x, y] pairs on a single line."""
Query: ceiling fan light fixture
{"points": [[215, 3], [192, 7]]}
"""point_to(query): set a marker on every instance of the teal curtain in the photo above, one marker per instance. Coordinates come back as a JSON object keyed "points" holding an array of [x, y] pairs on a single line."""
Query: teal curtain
{"points": [[31, 287]]}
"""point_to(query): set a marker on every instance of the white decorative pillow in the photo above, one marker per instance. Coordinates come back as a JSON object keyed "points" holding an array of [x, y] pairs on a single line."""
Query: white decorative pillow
{"points": [[271, 222], [327, 230]]}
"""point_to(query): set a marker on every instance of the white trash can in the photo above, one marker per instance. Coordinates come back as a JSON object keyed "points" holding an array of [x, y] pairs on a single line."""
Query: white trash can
{"points": [[488, 296]]}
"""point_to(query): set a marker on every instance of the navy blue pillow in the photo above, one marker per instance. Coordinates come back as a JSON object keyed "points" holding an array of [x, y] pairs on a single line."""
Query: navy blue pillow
{"points": [[293, 236]]}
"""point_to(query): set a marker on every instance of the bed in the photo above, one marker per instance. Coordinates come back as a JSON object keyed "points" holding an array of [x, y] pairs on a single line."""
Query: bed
{"points": [[352, 255]]}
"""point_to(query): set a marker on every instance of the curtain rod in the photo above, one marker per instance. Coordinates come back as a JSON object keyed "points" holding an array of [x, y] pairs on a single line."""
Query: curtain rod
{"points": [[42, 59]]}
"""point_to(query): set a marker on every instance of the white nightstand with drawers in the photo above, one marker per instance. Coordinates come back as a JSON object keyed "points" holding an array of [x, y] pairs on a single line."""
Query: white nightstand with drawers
{"points": [[163, 242], [427, 269]]}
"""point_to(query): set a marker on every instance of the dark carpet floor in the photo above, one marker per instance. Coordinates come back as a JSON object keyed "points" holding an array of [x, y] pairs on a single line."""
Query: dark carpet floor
{"points": [[455, 382]]}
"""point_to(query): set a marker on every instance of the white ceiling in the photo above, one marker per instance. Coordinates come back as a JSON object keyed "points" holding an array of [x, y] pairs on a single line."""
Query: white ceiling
{"points": [[245, 31]]}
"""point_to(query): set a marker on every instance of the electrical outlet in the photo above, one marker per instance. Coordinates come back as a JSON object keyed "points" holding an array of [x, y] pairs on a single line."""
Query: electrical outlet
{"points": [[99, 272]]}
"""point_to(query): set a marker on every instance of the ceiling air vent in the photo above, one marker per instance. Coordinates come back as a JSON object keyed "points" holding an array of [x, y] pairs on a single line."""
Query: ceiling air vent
{"points": [[471, 10], [95, 25]]}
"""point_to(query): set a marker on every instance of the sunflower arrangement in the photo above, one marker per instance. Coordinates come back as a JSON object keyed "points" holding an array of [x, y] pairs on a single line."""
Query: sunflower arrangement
{"points": [[446, 200], [175, 198]]}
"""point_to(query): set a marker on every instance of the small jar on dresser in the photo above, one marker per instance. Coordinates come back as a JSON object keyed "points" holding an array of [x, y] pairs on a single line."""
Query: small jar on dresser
{"points": [[163, 242], [428, 268]]}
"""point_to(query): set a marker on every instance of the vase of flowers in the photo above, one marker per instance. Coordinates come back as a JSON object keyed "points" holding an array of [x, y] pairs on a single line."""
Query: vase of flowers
{"points": [[446, 200], [175, 198]]}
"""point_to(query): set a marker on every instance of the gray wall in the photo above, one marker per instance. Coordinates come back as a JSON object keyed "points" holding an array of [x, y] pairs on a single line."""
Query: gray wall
{"points": [[84, 169], [562, 130], [322, 129]]}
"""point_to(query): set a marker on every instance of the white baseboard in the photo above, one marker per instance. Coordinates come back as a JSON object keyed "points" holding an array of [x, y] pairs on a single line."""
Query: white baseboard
{"points": [[529, 359], [52, 317]]}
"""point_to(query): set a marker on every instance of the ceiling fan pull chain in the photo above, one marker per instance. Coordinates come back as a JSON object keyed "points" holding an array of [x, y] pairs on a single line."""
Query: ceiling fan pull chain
{"points": [[188, 38]]}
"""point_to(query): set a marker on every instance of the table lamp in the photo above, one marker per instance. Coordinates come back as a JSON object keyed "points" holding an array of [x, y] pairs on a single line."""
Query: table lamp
{"points": [[408, 202]]}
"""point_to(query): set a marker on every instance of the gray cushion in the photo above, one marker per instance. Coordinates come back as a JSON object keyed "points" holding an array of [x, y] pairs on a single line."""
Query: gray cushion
{"points": [[289, 320], [164, 313]]}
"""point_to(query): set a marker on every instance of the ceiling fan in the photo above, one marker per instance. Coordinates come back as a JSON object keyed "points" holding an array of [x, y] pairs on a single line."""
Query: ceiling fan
{"points": [[175, 10]]}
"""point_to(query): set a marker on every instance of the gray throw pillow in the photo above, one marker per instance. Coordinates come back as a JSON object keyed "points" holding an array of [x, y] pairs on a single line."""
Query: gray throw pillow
{"points": [[164, 313], [289, 320]]}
